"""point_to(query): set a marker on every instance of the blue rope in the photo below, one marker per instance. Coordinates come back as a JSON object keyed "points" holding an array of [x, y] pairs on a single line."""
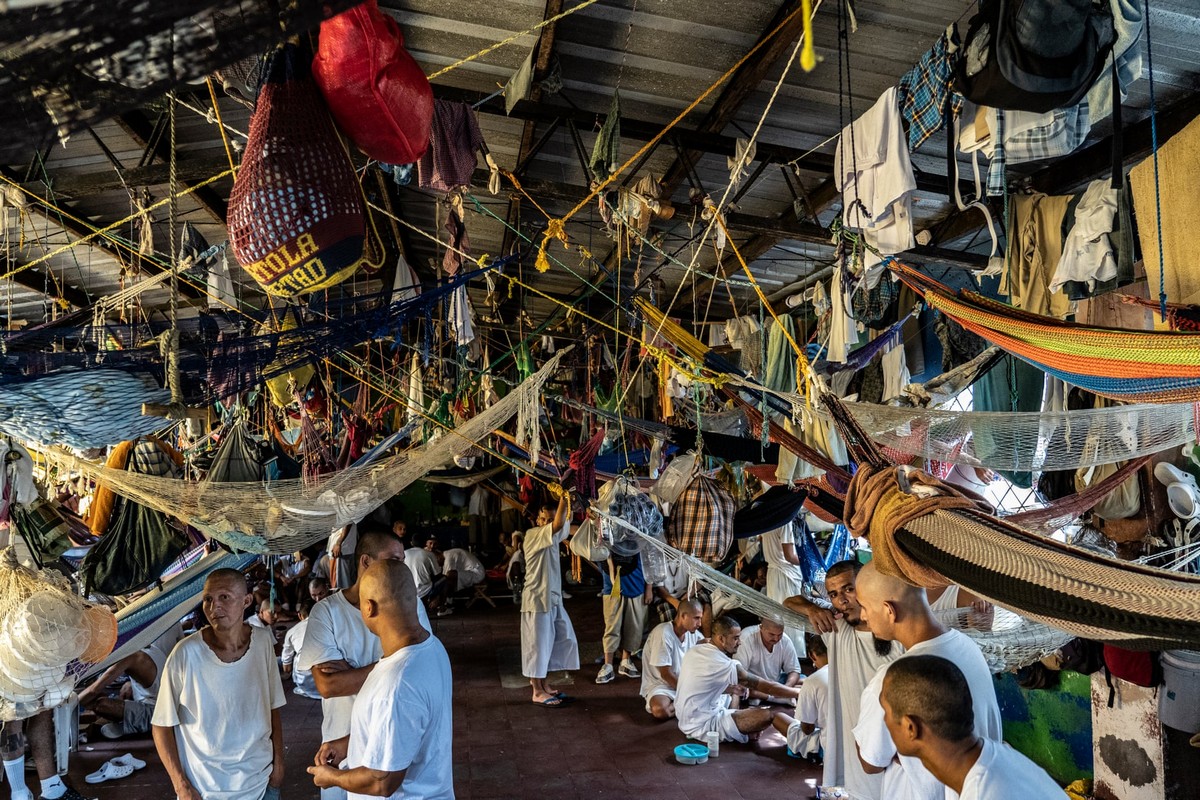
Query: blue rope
{"points": [[1162, 287]]}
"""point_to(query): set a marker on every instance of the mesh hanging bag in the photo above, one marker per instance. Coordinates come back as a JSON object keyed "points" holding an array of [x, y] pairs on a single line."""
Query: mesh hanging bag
{"points": [[377, 92], [295, 215]]}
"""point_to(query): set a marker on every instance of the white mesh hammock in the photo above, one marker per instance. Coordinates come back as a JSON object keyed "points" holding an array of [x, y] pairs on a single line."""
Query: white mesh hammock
{"points": [[289, 515]]}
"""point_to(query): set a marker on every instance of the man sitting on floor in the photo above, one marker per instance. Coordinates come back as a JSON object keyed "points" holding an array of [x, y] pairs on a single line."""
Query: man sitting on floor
{"points": [[131, 711], [663, 656], [711, 686], [293, 643], [766, 651], [462, 569], [432, 587], [318, 589], [805, 734], [400, 743], [928, 708]]}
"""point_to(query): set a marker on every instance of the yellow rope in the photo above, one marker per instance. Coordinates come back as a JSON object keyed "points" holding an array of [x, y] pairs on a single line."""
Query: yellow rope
{"points": [[555, 227], [97, 231], [511, 39], [221, 127]]}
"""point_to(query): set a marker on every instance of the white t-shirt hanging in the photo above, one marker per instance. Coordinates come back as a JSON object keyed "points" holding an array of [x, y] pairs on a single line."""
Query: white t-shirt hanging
{"points": [[403, 721], [704, 675], [770, 664], [909, 779], [221, 713], [1001, 773], [664, 649]]}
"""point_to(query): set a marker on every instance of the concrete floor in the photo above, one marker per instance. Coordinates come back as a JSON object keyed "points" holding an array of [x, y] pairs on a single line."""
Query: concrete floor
{"points": [[605, 745]]}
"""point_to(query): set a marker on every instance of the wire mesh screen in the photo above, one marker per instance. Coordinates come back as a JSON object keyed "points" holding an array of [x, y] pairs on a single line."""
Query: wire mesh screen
{"points": [[66, 65]]}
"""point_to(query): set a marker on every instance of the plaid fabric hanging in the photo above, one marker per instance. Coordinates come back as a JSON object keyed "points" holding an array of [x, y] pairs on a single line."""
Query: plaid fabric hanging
{"points": [[701, 521], [295, 215]]}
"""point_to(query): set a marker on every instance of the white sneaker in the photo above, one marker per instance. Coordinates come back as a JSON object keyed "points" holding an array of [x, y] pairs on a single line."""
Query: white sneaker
{"points": [[606, 674], [628, 669]]}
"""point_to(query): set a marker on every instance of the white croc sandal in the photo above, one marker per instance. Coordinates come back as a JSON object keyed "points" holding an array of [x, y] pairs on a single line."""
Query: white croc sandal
{"points": [[111, 771], [128, 760]]}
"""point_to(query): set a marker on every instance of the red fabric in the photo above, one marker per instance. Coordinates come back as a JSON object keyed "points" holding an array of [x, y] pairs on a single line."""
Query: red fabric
{"points": [[583, 462], [375, 89]]}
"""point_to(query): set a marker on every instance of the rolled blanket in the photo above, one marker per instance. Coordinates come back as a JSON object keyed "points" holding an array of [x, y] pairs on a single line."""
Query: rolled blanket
{"points": [[880, 502]]}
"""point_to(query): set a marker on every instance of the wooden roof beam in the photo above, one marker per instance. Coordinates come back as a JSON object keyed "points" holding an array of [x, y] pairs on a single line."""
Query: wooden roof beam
{"points": [[141, 130], [35, 279]]}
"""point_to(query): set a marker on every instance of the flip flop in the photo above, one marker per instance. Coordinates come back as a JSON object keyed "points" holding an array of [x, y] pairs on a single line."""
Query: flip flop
{"points": [[550, 702], [564, 697], [111, 771]]}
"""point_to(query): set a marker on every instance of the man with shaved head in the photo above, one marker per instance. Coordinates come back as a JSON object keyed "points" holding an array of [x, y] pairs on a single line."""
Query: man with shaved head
{"points": [[216, 721], [662, 656], [928, 710], [339, 649], [766, 651], [711, 686], [400, 742], [899, 611], [855, 655]]}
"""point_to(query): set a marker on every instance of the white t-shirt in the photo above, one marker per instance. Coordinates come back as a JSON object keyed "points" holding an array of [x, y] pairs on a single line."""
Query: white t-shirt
{"points": [[852, 663], [424, 567], [402, 721], [221, 714], [772, 550], [909, 779], [704, 675], [812, 706], [469, 568], [293, 643], [664, 649], [543, 570], [149, 694], [336, 631], [1001, 773], [773, 665]]}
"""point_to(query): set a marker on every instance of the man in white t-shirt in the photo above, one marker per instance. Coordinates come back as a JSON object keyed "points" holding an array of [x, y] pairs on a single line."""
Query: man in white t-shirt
{"points": [[400, 743], [767, 652], [930, 716], [712, 685], [432, 587], [785, 578], [855, 655], [548, 641], [340, 650], [805, 733], [898, 611], [462, 569], [216, 721], [135, 705], [293, 643], [662, 657]]}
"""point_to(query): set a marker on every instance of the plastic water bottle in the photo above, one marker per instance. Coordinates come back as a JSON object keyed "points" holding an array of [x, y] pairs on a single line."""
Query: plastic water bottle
{"points": [[713, 740]]}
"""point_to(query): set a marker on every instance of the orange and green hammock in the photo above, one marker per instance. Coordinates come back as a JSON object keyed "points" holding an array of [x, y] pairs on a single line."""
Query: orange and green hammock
{"points": [[1128, 365]]}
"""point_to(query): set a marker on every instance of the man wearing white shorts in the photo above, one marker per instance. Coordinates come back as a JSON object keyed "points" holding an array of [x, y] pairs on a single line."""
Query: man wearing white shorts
{"points": [[547, 637], [711, 686], [662, 658]]}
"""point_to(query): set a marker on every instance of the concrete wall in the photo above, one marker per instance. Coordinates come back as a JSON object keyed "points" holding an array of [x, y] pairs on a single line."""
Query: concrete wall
{"points": [[1128, 741], [1053, 727]]}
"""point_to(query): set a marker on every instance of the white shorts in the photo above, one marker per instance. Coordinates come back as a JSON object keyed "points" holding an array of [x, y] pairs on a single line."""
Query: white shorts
{"points": [[547, 642], [722, 722], [801, 743], [662, 691]]}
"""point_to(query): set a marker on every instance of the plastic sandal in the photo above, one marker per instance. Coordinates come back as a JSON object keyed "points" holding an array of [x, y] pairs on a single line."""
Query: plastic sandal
{"points": [[111, 771]]}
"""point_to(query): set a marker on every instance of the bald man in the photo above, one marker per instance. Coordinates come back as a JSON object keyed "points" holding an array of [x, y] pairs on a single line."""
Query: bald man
{"points": [[927, 708], [898, 611], [339, 650], [216, 721], [855, 655], [766, 651], [663, 654], [400, 739]]}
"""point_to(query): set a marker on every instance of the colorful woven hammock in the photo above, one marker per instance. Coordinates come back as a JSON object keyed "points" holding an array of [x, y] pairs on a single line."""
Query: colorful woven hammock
{"points": [[1132, 366]]}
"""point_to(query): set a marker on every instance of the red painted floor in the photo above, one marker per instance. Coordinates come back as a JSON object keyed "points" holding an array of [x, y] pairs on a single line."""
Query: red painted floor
{"points": [[605, 745]]}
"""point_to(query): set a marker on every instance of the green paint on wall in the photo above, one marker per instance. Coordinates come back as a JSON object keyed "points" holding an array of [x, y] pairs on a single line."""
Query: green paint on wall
{"points": [[1053, 727]]}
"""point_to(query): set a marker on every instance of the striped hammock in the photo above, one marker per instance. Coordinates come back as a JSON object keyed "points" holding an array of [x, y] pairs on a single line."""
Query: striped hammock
{"points": [[1132, 366]]}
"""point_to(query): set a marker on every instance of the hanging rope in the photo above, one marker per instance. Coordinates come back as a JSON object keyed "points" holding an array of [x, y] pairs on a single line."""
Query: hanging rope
{"points": [[1162, 286]]}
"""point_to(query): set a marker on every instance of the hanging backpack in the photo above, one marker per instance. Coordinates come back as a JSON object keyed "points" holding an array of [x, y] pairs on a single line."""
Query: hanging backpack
{"points": [[296, 211], [1139, 667], [701, 523], [1034, 55], [375, 89]]}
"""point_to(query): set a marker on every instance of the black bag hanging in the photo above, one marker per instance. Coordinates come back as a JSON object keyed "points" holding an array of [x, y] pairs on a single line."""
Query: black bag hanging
{"points": [[134, 552], [1034, 55]]}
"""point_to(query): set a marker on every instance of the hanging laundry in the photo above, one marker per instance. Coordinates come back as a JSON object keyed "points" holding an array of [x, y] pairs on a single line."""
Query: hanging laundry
{"points": [[459, 241], [220, 283], [739, 163], [1128, 21], [518, 86], [1034, 247], [926, 92], [873, 171], [416, 390], [454, 140], [1088, 256], [895, 372], [406, 286], [843, 330], [744, 334], [606, 153], [461, 317]]}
